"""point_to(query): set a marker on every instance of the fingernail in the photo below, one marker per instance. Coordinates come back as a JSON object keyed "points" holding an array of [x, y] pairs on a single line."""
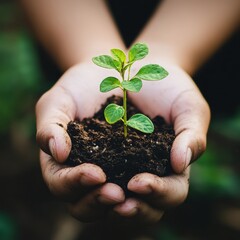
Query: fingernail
{"points": [[113, 199], [126, 209], [89, 180], [141, 185], [52, 148], [188, 158]]}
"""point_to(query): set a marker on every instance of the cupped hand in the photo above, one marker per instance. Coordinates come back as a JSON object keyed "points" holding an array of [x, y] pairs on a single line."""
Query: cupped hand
{"points": [[178, 100], [154, 195], [75, 96]]}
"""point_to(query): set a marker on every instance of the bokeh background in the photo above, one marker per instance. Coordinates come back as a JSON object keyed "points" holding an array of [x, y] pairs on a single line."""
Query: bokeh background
{"points": [[27, 209]]}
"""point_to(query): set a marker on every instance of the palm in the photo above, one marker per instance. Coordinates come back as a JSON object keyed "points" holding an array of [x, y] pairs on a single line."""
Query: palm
{"points": [[77, 95], [81, 84], [178, 100]]}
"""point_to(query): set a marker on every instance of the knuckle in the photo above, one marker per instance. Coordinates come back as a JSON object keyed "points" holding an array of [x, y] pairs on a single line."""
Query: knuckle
{"points": [[41, 100], [201, 143], [39, 135], [200, 146], [42, 140], [182, 196]]}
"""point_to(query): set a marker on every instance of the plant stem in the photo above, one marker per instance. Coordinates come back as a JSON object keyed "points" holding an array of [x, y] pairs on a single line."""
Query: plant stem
{"points": [[125, 103], [129, 69], [125, 112]]}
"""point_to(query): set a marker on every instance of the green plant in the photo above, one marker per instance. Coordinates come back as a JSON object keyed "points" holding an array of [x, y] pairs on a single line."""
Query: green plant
{"points": [[119, 62]]}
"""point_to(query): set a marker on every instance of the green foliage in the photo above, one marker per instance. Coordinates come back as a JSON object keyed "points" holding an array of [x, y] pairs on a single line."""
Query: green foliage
{"points": [[119, 62], [109, 84], [8, 228], [152, 72], [113, 113], [137, 52], [20, 78], [141, 123], [134, 85], [229, 126], [215, 174], [119, 55], [105, 62]]}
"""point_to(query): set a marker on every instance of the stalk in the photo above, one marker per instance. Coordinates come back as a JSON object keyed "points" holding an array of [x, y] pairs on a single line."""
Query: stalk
{"points": [[125, 112], [125, 103], [124, 107]]}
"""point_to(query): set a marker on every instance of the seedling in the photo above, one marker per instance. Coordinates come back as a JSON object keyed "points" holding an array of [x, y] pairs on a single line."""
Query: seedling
{"points": [[118, 61]]}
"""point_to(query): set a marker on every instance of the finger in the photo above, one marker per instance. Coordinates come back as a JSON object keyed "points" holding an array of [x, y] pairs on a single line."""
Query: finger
{"points": [[96, 204], [190, 116], [137, 212], [161, 192], [70, 183], [186, 148], [53, 112]]}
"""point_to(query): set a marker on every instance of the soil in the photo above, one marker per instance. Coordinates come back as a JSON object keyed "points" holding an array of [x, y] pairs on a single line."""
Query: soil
{"points": [[97, 142]]}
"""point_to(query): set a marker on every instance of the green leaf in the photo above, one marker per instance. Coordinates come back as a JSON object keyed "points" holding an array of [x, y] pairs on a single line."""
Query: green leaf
{"points": [[141, 123], [113, 113], [118, 65], [134, 85], [137, 51], [109, 83], [104, 61], [118, 54], [152, 72]]}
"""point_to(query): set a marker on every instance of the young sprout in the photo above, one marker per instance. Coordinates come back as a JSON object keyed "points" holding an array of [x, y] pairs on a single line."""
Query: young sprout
{"points": [[118, 61]]}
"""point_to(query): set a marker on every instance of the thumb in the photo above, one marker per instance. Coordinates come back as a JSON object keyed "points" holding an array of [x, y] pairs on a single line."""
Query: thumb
{"points": [[191, 125], [53, 112], [187, 147]]}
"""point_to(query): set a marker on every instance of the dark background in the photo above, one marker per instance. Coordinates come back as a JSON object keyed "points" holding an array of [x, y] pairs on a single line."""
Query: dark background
{"points": [[27, 209]]}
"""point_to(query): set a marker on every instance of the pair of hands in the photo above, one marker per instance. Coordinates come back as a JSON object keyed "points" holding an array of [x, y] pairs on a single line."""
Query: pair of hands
{"points": [[89, 197]]}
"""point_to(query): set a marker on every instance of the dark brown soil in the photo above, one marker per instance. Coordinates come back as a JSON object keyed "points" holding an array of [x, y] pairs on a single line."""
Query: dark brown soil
{"points": [[95, 141]]}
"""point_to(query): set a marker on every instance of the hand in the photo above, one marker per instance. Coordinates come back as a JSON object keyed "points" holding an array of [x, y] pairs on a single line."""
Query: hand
{"points": [[179, 101], [82, 186]]}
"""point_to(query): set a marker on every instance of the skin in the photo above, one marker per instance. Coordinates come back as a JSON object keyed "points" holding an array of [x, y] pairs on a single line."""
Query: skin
{"points": [[74, 185], [76, 95]]}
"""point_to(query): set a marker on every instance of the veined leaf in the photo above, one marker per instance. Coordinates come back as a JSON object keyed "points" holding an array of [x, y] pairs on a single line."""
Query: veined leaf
{"points": [[152, 72], [113, 113], [104, 61], [134, 85], [118, 54], [141, 123], [137, 51], [109, 84], [118, 65]]}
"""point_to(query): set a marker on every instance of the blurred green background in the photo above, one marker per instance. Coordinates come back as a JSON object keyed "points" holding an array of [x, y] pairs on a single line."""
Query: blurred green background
{"points": [[27, 209]]}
